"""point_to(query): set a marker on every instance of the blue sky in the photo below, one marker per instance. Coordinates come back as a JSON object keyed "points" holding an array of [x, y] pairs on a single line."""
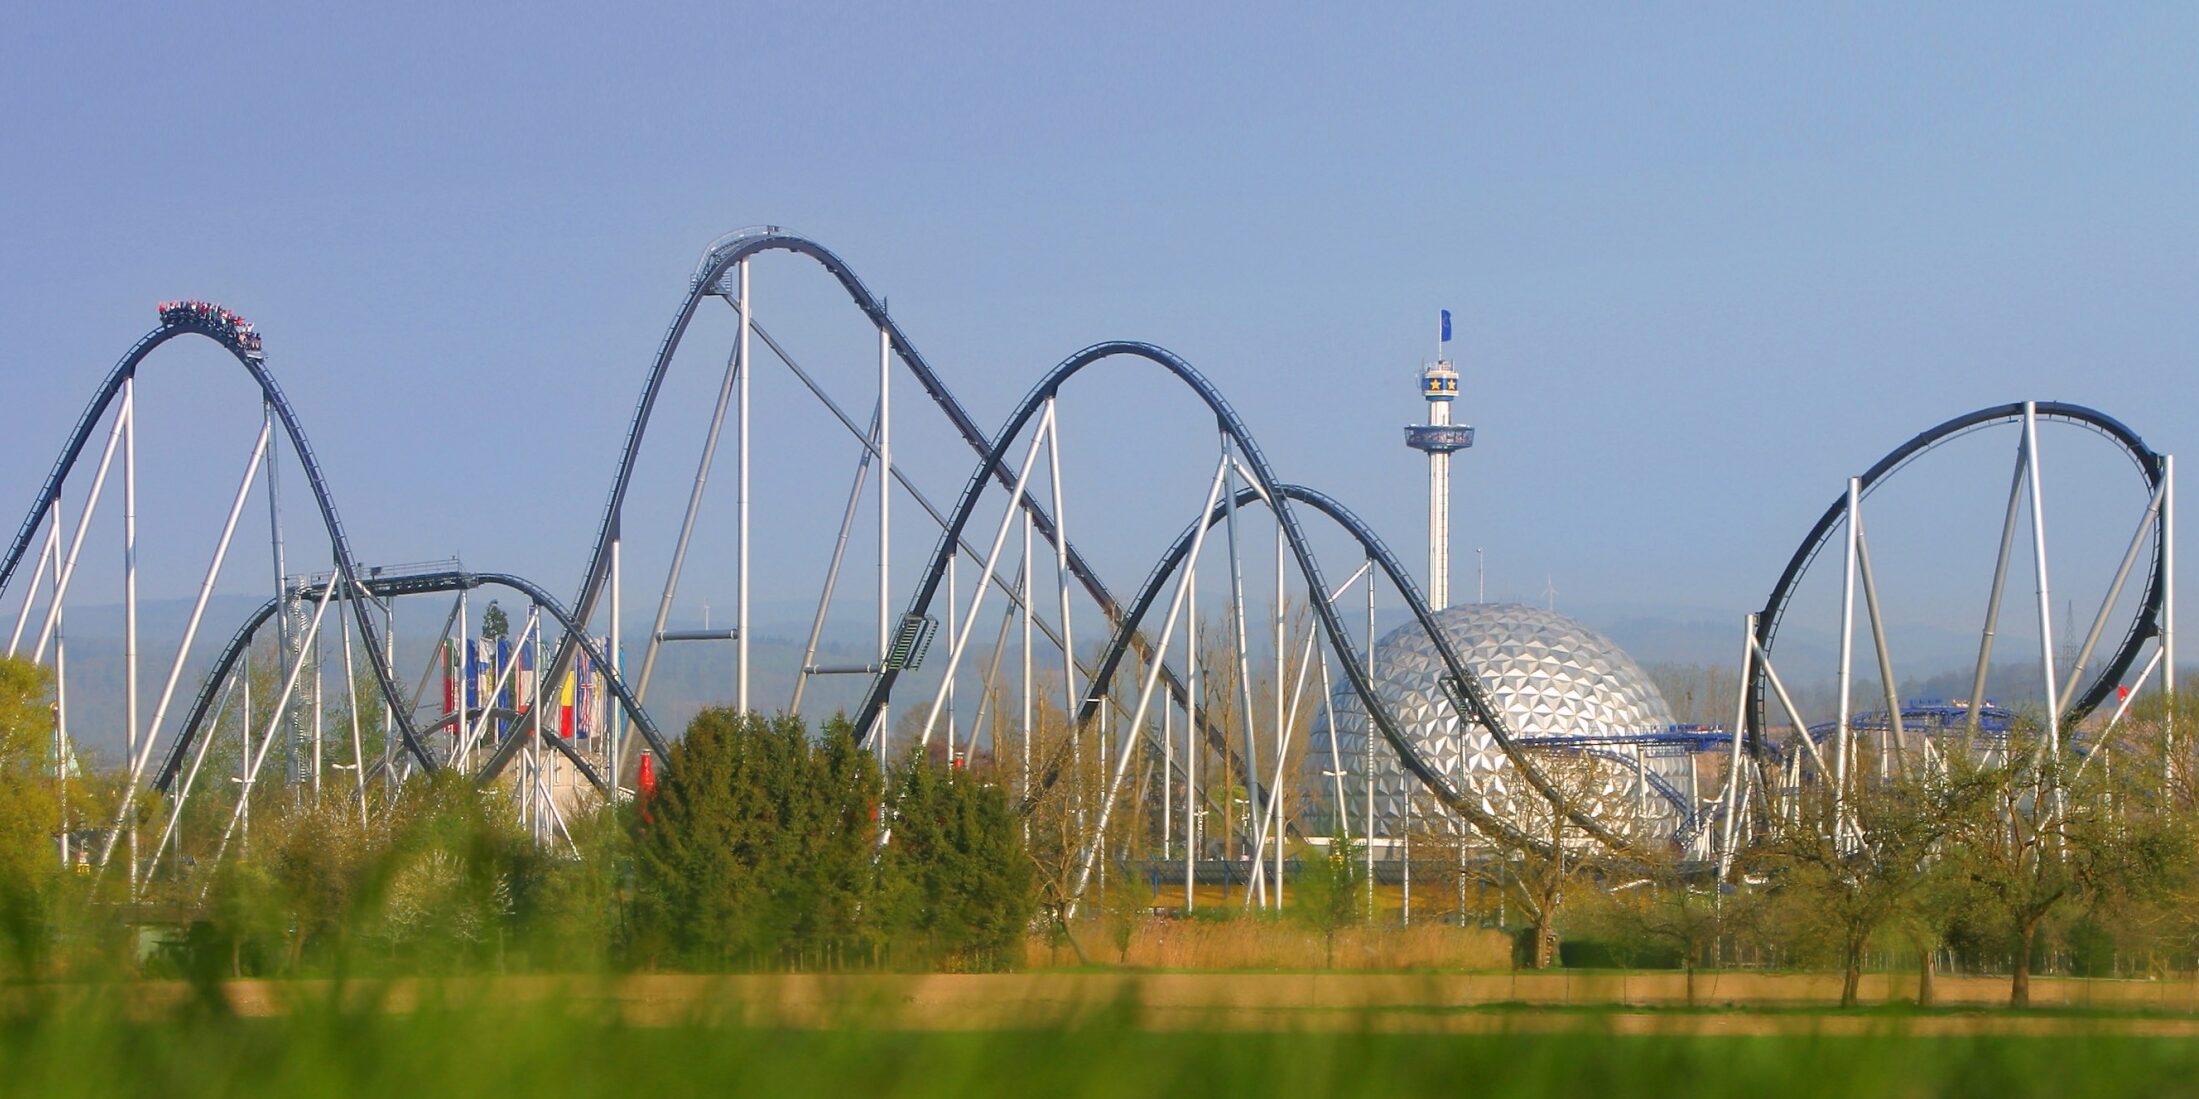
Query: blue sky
{"points": [[1706, 260]]}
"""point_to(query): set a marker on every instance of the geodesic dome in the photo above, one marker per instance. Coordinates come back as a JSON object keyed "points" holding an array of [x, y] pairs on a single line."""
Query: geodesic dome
{"points": [[1570, 695]]}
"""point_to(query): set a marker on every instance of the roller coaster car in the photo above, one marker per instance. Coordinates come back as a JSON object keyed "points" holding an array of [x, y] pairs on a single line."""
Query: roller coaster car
{"points": [[179, 312], [240, 331]]}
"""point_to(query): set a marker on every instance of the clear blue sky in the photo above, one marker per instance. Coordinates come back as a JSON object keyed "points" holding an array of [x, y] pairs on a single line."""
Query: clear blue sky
{"points": [[1706, 260]]}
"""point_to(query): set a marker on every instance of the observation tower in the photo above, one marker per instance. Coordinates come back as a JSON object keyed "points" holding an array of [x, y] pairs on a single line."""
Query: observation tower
{"points": [[1439, 437]]}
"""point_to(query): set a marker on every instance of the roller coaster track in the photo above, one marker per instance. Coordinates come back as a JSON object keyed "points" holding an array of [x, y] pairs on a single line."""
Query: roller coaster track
{"points": [[2145, 625], [708, 281], [417, 584], [1380, 554], [1269, 486], [705, 283], [992, 469], [346, 566]]}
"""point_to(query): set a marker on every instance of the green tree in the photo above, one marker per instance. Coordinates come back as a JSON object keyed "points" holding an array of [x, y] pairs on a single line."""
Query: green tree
{"points": [[694, 854], [1330, 878], [956, 882], [29, 810], [570, 910], [245, 913], [316, 859], [841, 863], [440, 895], [1933, 914], [2016, 854], [757, 846], [2147, 770]]}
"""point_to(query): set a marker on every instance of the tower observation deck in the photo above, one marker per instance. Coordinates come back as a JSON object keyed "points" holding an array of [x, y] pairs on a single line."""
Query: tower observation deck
{"points": [[1438, 438]]}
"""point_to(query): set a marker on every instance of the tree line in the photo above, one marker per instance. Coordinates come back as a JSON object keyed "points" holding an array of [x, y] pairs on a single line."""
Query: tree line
{"points": [[769, 845], [2004, 855], [762, 847]]}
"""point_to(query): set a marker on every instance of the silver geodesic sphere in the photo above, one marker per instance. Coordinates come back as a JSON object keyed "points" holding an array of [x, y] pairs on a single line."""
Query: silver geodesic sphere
{"points": [[1555, 681]]}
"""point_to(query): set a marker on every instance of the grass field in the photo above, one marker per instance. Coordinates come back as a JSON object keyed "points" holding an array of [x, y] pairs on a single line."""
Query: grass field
{"points": [[545, 1049], [1260, 943]]}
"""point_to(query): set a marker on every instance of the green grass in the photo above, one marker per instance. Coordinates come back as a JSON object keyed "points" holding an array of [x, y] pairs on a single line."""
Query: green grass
{"points": [[545, 1053]]}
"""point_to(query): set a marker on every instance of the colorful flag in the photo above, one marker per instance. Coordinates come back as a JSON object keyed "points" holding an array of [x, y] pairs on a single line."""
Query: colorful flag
{"points": [[565, 707], [475, 673], [450, 679]]}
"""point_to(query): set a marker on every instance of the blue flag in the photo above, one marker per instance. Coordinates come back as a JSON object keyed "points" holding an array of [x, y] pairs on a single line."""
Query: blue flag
{"points": [[1446, 326]]}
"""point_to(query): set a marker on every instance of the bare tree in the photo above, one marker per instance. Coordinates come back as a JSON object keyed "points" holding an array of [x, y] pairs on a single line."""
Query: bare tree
{"points": [[1533, 878], [1655, 897], [2073, 830], [1844, 867]]}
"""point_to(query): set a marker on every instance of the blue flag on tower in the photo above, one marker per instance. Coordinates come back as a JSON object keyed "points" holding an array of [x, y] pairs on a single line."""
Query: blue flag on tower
{"points": [[1446, 326]]}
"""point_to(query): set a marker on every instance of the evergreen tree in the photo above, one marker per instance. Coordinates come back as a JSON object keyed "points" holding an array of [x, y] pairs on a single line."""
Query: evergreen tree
{"points": [[690, 889], [842, 862], [956, 887], [759, 847]]}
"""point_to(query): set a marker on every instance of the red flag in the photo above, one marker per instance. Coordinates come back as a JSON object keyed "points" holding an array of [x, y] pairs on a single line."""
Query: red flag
{"points": [[645, 784]]}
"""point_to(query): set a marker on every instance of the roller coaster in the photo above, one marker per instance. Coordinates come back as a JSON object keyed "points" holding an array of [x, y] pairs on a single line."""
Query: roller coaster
{"points": [[1158, 696]]}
